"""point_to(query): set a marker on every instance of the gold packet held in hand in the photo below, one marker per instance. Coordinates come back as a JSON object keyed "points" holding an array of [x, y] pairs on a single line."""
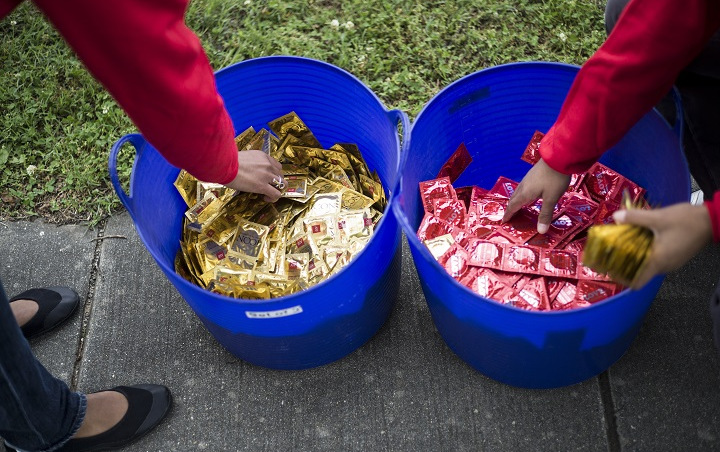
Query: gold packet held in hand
{"points": [[618, 250]]}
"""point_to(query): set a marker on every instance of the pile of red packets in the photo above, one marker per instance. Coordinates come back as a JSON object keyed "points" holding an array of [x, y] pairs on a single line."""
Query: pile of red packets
{"points": [[510, 262]]}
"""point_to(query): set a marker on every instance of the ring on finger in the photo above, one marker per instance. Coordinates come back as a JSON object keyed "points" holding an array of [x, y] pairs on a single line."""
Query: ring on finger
{"points": [[278, 182]]}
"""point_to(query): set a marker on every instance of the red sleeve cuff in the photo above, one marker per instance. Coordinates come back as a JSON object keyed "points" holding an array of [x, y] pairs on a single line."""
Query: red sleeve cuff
{"points": [[713, 207]]}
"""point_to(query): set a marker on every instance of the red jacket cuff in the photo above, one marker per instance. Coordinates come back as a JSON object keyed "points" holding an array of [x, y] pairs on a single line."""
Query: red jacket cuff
{"points": [[713, 207]]}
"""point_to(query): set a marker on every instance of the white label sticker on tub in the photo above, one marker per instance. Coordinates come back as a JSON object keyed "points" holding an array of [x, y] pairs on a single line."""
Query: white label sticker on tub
{"points": [[274, 314]]}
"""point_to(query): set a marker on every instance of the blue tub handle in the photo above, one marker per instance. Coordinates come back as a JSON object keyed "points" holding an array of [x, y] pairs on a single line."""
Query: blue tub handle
{"points": [[401, 117], [138, 143]]}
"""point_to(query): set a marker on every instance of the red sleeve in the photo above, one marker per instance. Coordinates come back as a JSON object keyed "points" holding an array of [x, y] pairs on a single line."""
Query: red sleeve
{"points": [[637, 65], [713, 207], [6, 7], [156, 69]]}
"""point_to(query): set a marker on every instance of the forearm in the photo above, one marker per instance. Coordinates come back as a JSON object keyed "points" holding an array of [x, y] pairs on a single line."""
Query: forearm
{"points": [[637, 65], [155, 67]]}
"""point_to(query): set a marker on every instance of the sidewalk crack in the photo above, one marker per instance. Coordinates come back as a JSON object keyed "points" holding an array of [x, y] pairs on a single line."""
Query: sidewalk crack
{"points": [[613, 438], [88, 305]]}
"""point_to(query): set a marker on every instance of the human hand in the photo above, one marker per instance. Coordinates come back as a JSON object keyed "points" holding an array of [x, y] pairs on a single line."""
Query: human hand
{"points": [[680, 230], [541, 182], [256, 172]]}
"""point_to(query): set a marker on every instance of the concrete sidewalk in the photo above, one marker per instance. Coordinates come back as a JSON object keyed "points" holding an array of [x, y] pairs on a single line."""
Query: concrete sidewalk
{"points": [[402, 391]]}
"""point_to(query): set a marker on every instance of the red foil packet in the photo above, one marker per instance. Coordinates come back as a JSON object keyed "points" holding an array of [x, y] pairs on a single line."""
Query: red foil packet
{"points": [[521, 226], [483, 253], [636, 192], [561, 228], [554, 286], [576, 182], [605, 211], [478, 230], [537, 205], [477, 193], [486, 283], [533, 296], [508, 295], [559, 263], [565, 297], [504, 187], [588, 274], [436, 188], [593, 291], [601, 182], [581, 203], [461, 236], [456, 164], [532, 151], [450, 210], [432, 226], [455, 261], [489, 210], [521, 259], [497, 236], [465, 195]]}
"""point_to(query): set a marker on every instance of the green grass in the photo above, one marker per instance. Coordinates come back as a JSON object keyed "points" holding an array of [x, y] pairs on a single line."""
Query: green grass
{"points": [[58, 124]]}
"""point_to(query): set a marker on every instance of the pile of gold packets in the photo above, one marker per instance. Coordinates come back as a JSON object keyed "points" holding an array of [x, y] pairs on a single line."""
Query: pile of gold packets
{"points": [[236, 244]]}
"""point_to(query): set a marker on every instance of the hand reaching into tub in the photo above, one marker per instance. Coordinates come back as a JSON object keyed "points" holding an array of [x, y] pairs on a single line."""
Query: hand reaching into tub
{"points": [[541, 182], [258, 173], [680, 231]]}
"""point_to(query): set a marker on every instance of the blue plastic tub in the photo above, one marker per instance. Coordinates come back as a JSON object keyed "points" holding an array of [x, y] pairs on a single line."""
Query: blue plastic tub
{"points": [[331, 319], [495, 112]]}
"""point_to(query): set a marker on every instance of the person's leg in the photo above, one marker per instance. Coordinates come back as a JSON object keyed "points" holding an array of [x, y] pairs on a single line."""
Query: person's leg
{"points": [[37, 410], [715, 314], [613, 8]]}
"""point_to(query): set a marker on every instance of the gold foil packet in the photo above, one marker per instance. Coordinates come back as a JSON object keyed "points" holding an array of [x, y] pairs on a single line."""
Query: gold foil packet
{"points": [[210, 254], [354, 225], [325, 204], [186, 185], [222, 228], [324, 185], [322, 231], [249, 238], [219, 190], [257, 141], [352, 200], [252, 292], [299, 244], [291, 124], [317, 270], [296, 187], [244, 138], [338, 175], [296, 265], [291, 169], [233, 275], [335, 257], [371, 188], [204, 211]]}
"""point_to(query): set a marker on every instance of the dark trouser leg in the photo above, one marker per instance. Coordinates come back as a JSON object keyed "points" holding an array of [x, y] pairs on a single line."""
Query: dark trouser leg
{"points": [[715, 313], [37, 410]]}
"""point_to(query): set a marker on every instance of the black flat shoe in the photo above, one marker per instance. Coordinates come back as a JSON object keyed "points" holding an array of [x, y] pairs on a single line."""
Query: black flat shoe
{"points": [[55, 305], [147, 405]]}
